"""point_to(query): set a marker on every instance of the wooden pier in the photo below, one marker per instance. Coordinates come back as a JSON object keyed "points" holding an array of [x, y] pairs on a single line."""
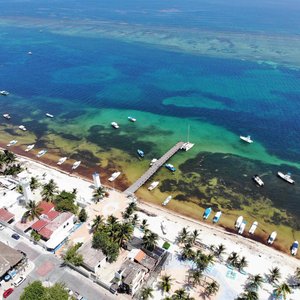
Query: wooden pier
{"points": [[160, 162]]}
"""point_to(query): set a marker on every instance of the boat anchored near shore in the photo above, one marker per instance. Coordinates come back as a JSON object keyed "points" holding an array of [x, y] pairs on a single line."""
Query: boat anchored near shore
{"points": [[61, 160], [49, 115], [29, 147], [4, 93], [167, 200], [11, 143], [170, 167], [76, 164], [153, 185], [7, 116], [246, 139], [294, 248], [22, 127], [114, 176], [115, 125], [253, 227], [272, 237], [257, 180], [140, 153], [287, 177], [131, 119], [41, 153]]}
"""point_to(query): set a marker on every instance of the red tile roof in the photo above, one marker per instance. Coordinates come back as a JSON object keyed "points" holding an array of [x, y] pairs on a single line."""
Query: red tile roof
{"points": [[52, 214], [46, 233], [46, 206], [140, 256], [5, 215], [38, 225]]}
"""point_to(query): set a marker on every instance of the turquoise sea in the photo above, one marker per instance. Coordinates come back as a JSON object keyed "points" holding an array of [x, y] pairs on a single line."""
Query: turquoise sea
{"points": [[94, 62]]}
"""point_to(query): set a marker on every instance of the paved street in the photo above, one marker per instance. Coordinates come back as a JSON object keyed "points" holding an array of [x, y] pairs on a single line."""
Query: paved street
{"points": [[48, 268]]}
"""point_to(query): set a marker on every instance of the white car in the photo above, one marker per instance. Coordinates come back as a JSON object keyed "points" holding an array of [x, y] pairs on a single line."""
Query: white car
{"points": [[19, 281]]}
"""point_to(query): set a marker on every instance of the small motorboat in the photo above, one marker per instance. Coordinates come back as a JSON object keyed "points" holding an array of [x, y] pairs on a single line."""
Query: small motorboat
{"points": [[11, 143], [287, 177], [153, 185], [206, 213], [153, 161], [246, 139], [167, 200], [76, 164], [49, 115], [29, 53], [242, 227], [294, 248], [4, 93], [131, 119], [257, 180], [140, 153], [114, 176], [22, 127], [115, 125], [170, 167], [238, 222], [217, 217], [61, 160], [7, 116], [253, 227], [187, 146], [272, 237], [29, 147], [41, 153]]}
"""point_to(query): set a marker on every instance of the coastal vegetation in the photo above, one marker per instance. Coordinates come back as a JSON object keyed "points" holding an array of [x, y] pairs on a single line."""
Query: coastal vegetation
{"points": [[8, 164], [32, 211], [71, 256]]}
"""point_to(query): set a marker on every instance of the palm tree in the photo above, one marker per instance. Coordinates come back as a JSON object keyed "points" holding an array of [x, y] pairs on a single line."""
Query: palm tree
{"points": [[33, 211], [194, 235], [49, 190], [248, 295], [195, 276], [233, 259], [297, 274], [219, 250], [9, 157], [179, 295], [282, 290], [274, 275], [98, 222], [254, 282], [144, 225], [99, 193], [135, 220], [187, 252], [211, 288], [34, 184], [242, 263], [182, 235], [165, 283], [146, 293], [124, 233], [150, 240], [130, 209]]}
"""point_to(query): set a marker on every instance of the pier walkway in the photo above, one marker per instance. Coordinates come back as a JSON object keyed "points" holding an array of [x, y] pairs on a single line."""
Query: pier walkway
{"points": [[136, 185]]}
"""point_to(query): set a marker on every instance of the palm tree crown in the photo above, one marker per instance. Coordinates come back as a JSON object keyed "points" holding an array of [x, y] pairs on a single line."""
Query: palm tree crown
{"points": [[146, 293], [99, 193], [212, 288], [274, 275], [33, 211], [49, 190], [166, 283], [150, 240], [97, 222], [283, 290]]}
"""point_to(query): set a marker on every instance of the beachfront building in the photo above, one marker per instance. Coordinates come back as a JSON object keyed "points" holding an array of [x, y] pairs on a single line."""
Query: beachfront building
{"points": [[11, 261], [26, 189], [96, 179], [6, 216], [130, 276], [93, 259]]}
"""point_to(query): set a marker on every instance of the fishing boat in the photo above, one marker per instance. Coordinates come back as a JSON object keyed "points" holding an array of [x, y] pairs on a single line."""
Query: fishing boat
{"points": [[140, 153], [49, 115], [287, 177], [61, 160], [272, 237], [131, 119], [253, 227], [239, 221], [217, 217], [114, 176], [258, 180], [11, 143], [29, 53], [170, 167], [206, 213], [4, 93], [246, 139], [294, 248], [29, 147], [22, 127], [153, 185], [153, 161], [115, 125], [6, 116], [242, 227], [76, 164], [41, 153], [187, 146], [167, 200]]}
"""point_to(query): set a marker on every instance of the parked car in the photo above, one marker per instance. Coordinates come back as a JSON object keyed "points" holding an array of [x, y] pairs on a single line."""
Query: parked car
{"points": [[15, 236], [19, 281], [7, 292]]}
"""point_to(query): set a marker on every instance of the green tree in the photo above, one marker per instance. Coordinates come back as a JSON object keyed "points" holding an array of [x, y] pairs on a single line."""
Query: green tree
{"points": [[187, 252], [242, 263], [183, 235], [99, 193], [248, 295], [56, 292], [211, 288], [65, 201], [146, 293], [195, 276], [35, 235], [32, 211], [34, 184], [254, 282], [49, 190], [165, 283], [72, 257], [274, 275], [144, 225], [124, 233], [233, 259], [135, 220], [150, 240], [194, 235], [82, 215], [98, 222], [283, 290], [130, 209], [219, 250], [180, 294]]}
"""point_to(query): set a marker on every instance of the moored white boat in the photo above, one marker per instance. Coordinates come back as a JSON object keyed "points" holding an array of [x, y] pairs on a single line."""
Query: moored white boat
{"points": [[153, 161], [115, 125], [11, 143], [287, 177], [76, 164], [22, 127], [187, 146], [114, 176], [4, 93], [153, 185], [242, 227], [140, 153], [170, 167], [253, 227], [294, 248], [258, 180], [217, 217], [272, 237], [239, 221], [131, 119], [61, 160], [49, 115], [6, 116], [29, 147], [41, 153], [246, 139], [167, 200]]}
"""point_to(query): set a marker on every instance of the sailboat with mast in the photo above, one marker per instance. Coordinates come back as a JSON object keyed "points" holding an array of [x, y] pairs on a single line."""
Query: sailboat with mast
{"points": [[187, 146]]}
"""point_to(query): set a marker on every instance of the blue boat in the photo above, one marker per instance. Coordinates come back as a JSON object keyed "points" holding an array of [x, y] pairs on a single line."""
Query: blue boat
{"points": [[217, 217], [170, 167], [207, 213], [140, 153]]}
